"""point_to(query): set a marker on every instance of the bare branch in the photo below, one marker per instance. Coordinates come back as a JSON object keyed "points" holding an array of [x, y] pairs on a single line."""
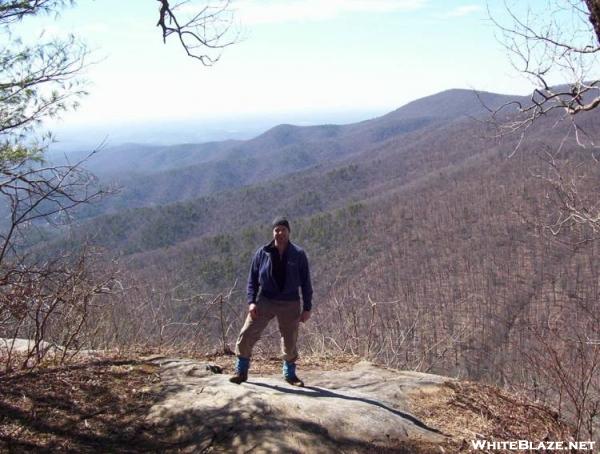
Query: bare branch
{"points": [[204, 33], [543, 48]]}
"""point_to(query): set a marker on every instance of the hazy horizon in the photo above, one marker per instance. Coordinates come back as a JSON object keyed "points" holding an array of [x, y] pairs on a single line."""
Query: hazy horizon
{"points": [[191, 130]]}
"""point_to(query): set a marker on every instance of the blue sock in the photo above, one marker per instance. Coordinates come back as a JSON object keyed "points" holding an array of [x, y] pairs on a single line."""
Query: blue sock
{"points": [[289, 369], [242, 365]]}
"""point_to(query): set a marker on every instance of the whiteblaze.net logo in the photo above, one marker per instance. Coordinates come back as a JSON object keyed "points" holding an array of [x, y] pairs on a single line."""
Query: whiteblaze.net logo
{"points": [[526, 445]]}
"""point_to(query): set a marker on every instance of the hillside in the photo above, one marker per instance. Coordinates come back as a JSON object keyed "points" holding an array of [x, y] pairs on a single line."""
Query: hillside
{"points": [[334, 178], [439, 249]]}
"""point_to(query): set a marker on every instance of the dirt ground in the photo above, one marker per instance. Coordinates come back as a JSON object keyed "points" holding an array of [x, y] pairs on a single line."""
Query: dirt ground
{"points": [[95, 406]]}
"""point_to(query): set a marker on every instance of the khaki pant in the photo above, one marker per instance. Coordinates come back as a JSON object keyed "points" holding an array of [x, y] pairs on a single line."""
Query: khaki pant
{"points": [[288, 318]]}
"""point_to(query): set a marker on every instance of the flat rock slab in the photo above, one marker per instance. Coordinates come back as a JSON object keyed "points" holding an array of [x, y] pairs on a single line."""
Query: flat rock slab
{"points": [[362, 410]]}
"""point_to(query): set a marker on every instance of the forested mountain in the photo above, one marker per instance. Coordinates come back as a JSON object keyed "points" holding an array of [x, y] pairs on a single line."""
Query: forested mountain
{"points": [[150, 176], [434, 243], [135, 159], [353, 178]]}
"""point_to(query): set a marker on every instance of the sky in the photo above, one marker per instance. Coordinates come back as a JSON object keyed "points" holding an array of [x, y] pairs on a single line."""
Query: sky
{"points": [[294, 61]]}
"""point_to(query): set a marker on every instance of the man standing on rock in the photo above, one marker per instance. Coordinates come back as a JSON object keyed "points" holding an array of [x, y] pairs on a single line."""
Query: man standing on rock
{"points": [[278, 270]]}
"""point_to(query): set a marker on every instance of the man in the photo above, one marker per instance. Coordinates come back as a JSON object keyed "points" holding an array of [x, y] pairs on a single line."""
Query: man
{"points": [[277, 271]]}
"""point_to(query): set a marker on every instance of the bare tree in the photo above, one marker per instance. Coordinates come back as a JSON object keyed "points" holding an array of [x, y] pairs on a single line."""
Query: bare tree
{"points": [[48, 294], [202, 32], [557, 49]]}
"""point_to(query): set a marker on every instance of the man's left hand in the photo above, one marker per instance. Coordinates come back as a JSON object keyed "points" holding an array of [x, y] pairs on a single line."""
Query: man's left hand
{"points": [[304, 316]]}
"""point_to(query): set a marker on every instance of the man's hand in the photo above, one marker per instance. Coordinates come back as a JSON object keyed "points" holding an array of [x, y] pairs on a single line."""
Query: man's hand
{"points": [[304, 316], [252, 309]]}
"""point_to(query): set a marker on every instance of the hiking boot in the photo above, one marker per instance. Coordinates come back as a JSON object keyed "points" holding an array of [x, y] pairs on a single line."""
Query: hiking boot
{"points": [[241, 370], [294, 381], [239, 378], [289, 374]]}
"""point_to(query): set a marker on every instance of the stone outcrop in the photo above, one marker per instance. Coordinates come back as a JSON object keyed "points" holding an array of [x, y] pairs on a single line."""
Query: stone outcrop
{"points": [[361, 410]]}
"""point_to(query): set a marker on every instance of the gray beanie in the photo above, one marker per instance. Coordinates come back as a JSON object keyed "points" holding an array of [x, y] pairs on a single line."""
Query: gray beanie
{"points": [[280, 220]]}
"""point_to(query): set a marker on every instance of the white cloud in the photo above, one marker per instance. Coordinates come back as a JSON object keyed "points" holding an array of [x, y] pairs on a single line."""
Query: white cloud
{"points": [[272, 11], [464, 10]]}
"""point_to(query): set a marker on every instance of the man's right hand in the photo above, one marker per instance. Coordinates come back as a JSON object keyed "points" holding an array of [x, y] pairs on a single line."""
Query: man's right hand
{"points": [[252, 309]]}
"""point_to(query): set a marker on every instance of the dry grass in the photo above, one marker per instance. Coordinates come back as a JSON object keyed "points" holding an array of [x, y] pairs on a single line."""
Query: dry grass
{"points": [[86, 407], [468, 411], [268, 364]]}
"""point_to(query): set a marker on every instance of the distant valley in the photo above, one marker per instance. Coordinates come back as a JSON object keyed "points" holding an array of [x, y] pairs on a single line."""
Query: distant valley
{"points": [[158, 175]]}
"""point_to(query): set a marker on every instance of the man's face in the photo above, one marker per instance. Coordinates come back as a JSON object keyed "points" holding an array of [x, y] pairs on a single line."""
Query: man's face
{"points": [[281, 234]]}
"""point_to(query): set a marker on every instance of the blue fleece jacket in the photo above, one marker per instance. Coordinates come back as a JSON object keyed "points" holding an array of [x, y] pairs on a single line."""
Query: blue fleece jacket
{"points": [[297, 275]]}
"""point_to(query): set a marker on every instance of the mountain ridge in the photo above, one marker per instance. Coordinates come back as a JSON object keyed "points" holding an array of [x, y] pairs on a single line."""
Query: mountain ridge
{"points": [[281, 150]]}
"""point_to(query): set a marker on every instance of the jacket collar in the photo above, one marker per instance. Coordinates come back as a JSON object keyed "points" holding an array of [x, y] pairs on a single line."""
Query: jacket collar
{"points": [[270, 247]]}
